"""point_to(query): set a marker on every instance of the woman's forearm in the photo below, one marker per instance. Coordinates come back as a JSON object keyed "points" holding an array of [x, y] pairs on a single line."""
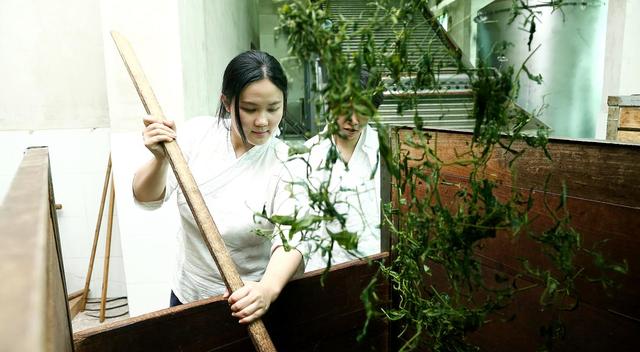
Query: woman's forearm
{"points": [[150, 180], [282, 267]]}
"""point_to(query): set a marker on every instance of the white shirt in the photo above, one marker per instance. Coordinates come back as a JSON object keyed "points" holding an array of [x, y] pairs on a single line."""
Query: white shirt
{"points": [[234, 189], [354, 189]]}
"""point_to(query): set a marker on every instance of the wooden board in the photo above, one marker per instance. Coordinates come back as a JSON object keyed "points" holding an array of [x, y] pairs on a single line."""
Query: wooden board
{"points": [[604, 200], [75, 306], [306, 317], [630, 118], [629, 136], [34, 314], [623, 120]]}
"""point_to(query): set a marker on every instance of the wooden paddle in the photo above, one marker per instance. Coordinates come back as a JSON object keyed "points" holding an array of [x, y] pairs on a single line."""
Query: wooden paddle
{"points": [[207, 226]]}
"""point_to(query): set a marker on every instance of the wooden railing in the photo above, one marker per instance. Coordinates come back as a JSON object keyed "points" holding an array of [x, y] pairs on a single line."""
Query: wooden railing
{"points": [[33, 313]]}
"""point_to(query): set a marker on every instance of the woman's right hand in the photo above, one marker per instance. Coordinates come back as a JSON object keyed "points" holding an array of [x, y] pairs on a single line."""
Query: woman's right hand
{"points": [[157, 132]]}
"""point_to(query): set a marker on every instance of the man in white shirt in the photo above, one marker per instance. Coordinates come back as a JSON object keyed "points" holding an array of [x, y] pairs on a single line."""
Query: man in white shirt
{"points": [[352, 185]]}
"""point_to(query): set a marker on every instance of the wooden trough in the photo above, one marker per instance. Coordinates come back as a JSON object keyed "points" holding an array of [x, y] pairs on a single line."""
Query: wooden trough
{"points": [[604, 200], [603, 185]]}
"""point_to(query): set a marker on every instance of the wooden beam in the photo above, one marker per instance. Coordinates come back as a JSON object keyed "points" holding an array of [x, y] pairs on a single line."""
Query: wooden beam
{"points": [[75, 306], [75, 294], [626, 100], [34, 315]]}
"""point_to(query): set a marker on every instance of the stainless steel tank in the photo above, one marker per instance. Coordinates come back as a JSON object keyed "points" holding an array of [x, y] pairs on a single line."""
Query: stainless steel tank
{"points": [[570, 59]]}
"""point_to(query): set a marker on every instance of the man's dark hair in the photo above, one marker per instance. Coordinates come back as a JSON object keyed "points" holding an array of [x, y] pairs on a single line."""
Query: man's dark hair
{"points": [[367, 80]]}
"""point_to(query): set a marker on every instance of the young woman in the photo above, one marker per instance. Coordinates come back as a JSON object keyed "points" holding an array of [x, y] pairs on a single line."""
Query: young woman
{"points": [[235, 159]]}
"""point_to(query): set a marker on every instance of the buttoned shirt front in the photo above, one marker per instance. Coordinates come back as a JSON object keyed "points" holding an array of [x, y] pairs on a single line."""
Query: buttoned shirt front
{"points": [[354, 190]]}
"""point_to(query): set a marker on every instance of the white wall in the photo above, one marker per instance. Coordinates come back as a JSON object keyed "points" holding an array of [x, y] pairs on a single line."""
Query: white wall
{"points": [[53, 93], [65, 86], [78, 159], [621, 56], [51, 64], [630, 69]]}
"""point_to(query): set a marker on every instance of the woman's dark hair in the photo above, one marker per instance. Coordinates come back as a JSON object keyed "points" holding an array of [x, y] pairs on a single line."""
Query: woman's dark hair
{"points": [[248, 67]]}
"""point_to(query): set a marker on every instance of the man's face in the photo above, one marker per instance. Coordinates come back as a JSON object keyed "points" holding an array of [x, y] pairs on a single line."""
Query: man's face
{"points": [[350, 127]]}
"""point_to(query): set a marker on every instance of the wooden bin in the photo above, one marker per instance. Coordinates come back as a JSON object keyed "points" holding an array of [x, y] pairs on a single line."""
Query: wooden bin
{"points": [[603, 198]]}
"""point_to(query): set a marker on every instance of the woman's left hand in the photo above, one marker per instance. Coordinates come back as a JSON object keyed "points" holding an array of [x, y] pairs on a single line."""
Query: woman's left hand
{"points": [[251, 301]]}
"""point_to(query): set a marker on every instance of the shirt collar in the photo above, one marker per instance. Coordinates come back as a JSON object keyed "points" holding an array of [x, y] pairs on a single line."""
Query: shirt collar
{"points": [[368, 143]]}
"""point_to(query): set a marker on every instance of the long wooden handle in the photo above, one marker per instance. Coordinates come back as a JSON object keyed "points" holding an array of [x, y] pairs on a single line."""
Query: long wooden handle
{"points": [[207, 226]]}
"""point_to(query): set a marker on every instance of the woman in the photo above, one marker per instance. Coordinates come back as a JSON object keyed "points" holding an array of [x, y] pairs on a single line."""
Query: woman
{"points": [[236, 160]]}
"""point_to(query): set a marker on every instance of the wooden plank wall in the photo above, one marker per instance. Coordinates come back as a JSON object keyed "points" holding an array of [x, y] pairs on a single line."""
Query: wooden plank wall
{"points": [[33, 314], [623, 122], [604, 201], [306, 317]]}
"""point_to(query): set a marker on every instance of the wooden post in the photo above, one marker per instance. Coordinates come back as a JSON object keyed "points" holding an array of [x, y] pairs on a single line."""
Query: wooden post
{"points": [[34, 314], [207, 226], [107, 253], [87, 282]]}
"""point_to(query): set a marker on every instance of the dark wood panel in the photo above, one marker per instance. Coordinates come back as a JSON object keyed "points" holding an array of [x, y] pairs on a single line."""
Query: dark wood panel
{"points": [[306, 317], [599, 171], [589, 328]]}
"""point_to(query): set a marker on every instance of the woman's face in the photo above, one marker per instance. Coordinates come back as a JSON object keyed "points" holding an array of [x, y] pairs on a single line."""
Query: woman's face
{"points": [[261, 106]]}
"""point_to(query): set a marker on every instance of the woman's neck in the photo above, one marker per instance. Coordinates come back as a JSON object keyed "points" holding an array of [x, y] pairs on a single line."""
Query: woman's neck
{"points": [[239, 146]]}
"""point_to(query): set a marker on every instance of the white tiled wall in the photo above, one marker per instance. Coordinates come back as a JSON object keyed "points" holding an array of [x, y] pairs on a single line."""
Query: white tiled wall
{"points": [[141, 261], [78, 159]]}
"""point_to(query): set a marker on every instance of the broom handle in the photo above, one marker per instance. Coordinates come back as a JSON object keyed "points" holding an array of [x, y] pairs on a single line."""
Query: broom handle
{"points": [[207, 226]]}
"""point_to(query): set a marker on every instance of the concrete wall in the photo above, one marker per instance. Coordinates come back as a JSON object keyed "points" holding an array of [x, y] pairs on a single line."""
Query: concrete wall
{"points": [[460, 24], [277, 46], [475, 6], [212, 33], [462, 28], [620, 54]]}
